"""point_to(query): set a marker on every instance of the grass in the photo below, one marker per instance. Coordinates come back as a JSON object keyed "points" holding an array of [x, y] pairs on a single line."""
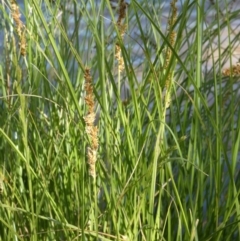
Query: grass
{"points": [[119, 122]]}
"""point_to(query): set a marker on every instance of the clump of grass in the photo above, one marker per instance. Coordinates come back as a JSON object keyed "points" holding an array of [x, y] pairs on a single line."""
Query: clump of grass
{"points": [[162, 165]]}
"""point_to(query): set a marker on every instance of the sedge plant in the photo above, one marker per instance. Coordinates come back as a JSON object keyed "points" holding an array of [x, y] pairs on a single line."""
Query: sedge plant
{"points": [[118, 121]]}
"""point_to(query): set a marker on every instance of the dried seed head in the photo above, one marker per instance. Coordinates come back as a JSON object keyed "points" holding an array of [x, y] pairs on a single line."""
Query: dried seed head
{"points": [[19, 27], [234, 71], [91, 130]]}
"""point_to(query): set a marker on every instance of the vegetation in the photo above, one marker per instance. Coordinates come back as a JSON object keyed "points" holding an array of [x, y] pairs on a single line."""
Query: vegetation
{"points": [[119, 122]]}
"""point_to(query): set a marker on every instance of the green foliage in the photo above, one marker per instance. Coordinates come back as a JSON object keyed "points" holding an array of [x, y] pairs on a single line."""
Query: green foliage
{"points": [[168, 157]]}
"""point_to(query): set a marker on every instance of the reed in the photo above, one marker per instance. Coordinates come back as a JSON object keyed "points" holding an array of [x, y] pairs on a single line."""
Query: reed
{"points": [[119, 121]]}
